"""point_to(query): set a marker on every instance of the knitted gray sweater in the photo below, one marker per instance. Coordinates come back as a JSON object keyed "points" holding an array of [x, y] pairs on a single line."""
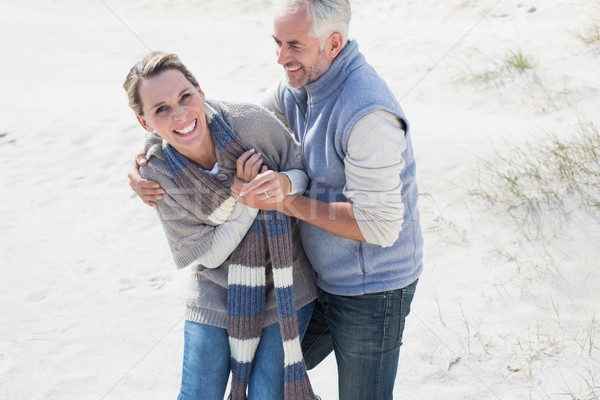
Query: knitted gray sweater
{"points": [[190, 237]]}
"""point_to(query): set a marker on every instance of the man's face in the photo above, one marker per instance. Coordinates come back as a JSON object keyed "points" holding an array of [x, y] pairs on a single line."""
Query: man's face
{"points": [[297, 52]]}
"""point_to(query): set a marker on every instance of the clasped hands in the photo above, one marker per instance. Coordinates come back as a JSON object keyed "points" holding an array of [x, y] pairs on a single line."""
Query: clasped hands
{"points": [[256, 186]]}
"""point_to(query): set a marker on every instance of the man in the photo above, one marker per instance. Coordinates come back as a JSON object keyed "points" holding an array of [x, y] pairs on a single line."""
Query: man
{"points": [[360, 224]]}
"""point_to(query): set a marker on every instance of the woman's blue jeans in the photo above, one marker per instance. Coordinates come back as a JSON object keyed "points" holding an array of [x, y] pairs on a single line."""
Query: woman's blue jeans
{"points": [[365, 333], [206, 361]]}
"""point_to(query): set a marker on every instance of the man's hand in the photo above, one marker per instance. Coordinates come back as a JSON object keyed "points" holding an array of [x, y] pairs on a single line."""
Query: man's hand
{"points": [[148, 191], [266, 191]]}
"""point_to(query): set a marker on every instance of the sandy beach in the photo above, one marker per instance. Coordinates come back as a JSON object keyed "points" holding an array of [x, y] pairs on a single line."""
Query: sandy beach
{"points": [[508, 307]]}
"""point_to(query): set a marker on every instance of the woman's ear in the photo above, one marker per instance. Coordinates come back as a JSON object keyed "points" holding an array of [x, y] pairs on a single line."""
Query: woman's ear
{"points": [[144, 124], [201, 94]]}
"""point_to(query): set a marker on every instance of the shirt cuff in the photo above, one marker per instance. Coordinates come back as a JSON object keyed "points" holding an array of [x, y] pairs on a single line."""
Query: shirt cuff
{"points": [[299, 181]]}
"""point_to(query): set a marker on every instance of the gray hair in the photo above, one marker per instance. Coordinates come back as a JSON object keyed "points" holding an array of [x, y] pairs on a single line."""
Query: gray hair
{"points": [[326, 16]]}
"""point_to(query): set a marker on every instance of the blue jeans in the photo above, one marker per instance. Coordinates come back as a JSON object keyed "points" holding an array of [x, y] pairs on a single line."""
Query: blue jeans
{"points": [[206, 361], [365, 333]]}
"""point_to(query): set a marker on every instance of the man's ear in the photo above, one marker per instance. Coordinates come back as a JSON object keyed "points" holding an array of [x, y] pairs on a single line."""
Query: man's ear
{"points": [[334, 45], [144, 124]]}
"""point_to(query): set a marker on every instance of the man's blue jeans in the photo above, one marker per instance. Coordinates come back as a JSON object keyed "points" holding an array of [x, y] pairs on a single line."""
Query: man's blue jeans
{"points": [[206, 361], [365, 333]]}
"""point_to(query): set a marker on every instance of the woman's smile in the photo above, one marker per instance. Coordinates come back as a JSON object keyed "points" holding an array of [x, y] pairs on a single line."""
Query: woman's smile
{"points": [[188, 129]]}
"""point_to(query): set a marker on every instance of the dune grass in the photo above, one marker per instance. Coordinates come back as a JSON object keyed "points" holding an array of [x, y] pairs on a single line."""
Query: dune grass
{"points": [[543, 186], [499, 69], [516, 61], [552, 177], [591, 34]]}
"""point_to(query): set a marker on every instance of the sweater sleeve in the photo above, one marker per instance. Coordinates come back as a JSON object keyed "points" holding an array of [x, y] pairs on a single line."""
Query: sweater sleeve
{"points": [[261, 130], [270, 101], [192, 241], [227, 236], [373, 164], [279, 142], [299, 181]]}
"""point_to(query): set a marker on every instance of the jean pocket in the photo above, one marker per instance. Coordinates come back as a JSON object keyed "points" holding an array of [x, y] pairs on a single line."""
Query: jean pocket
{"points": [[406, 297]]}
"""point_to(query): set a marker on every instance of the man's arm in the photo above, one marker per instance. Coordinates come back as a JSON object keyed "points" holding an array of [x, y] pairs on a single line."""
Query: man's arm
{"points": [[150, 191], [374, 210], [336, 218], [373, 166]]}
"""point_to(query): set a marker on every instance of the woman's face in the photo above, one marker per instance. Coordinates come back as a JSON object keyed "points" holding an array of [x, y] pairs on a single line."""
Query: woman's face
{"points": [[173, 107]]}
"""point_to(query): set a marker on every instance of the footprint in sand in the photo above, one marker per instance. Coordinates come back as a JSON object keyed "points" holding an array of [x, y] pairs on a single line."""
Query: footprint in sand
{"points": [[157, 282], [37, 296], [126, 284], [4, 136]]}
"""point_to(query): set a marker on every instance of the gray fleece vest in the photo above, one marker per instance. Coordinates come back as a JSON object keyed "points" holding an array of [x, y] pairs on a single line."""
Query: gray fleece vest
{"points": [[321, 114]]}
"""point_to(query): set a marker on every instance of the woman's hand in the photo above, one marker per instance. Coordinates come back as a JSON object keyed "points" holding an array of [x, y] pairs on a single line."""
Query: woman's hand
{"points": [[248, 166]]}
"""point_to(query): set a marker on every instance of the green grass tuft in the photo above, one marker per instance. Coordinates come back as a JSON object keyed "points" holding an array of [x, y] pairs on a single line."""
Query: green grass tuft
{"points": [[518, 62]]}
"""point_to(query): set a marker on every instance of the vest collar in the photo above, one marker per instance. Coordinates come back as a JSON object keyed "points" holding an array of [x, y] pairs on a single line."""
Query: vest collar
{"points": [[348, 60]]}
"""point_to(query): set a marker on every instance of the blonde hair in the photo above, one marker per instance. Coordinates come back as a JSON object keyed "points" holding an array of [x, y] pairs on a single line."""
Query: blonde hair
{"points": [[151, 65]]}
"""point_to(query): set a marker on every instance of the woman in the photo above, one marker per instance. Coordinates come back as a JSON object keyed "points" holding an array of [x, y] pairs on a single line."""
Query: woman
{"points": [[252, 284]]}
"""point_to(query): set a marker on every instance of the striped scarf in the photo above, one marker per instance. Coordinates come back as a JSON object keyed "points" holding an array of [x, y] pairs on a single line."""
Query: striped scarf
{"points": [[246, 276]]}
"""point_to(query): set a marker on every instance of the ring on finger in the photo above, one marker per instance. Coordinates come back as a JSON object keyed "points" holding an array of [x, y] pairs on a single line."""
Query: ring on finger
{"points": [[267, 194]]}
